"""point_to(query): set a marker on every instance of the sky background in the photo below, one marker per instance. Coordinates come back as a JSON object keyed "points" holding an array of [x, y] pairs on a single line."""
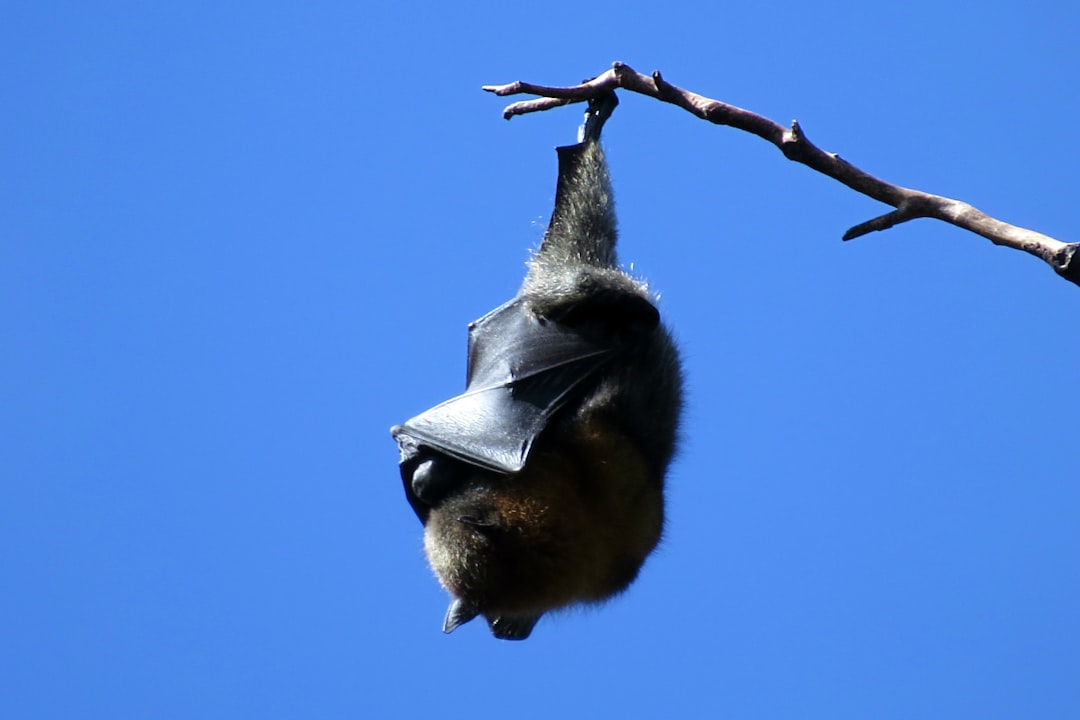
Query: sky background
{"points": [[240, 240]]}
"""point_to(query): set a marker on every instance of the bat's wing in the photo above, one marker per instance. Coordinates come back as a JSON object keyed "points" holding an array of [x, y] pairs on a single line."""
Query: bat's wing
{"points": [[521, 371]]}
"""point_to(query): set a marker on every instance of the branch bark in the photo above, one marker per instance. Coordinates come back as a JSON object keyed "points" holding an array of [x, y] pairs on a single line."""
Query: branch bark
{"points": [[1063, 257]]}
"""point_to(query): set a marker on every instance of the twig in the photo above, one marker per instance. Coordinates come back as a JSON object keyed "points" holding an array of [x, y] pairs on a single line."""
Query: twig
{"points": [[909, 204]]}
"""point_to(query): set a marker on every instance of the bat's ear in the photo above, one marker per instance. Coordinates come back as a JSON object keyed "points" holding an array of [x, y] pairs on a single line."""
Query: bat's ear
{"points": [[459, 613], [512, 628]]}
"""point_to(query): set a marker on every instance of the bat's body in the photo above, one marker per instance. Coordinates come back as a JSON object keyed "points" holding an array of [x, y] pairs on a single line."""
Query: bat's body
{"points": [[542, 485]]}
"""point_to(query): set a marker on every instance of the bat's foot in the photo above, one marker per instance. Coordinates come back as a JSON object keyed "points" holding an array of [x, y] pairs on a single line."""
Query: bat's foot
{"points": [[599, 111]]}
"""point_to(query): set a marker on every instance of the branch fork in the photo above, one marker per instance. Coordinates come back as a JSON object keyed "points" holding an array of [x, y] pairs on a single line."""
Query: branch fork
{"points": [[910, 204]]}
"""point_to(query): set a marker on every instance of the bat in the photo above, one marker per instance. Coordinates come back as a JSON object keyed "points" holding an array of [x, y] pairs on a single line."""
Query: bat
{"points": [[542, 485]]}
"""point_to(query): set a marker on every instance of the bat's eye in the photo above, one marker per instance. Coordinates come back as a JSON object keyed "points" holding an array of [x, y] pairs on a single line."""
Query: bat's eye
{"points": [[435, 478]]}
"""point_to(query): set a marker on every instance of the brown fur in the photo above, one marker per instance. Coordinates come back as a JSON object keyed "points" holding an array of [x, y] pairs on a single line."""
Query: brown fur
{"points": [[574, 526]]}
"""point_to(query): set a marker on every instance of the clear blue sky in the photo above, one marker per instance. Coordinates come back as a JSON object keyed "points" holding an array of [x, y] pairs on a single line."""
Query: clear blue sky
{"points": [[238, 241]]}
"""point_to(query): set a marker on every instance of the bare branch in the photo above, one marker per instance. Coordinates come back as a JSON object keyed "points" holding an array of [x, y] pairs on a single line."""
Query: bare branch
{"points": [[909, 204]]}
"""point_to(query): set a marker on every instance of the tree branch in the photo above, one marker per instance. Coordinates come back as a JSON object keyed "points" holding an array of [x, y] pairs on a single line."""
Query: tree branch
{"points": [[1063, 257]]}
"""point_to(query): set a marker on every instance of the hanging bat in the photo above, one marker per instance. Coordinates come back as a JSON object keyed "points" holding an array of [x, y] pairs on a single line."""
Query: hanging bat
{"points": [[542, 485]]}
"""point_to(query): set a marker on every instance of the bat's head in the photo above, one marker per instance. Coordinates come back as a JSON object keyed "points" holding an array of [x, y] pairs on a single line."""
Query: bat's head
{"points": [[575, 525]]}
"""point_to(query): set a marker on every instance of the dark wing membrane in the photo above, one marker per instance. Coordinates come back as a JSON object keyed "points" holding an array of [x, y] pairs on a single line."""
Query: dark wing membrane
{"points": [[521, 370], [510, 344]]}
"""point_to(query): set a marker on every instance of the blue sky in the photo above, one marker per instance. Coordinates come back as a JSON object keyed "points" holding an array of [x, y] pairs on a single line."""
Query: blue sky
{"points": [[238, 241]]}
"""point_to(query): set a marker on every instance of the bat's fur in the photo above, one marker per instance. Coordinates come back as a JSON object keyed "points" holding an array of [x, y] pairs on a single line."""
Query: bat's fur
{"points": [[578, 521]]}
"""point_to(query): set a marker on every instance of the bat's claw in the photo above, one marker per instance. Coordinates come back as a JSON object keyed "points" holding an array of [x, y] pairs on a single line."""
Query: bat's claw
{"points": [[599, 111], [459, 613], [512, 628], [434, 478]]}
